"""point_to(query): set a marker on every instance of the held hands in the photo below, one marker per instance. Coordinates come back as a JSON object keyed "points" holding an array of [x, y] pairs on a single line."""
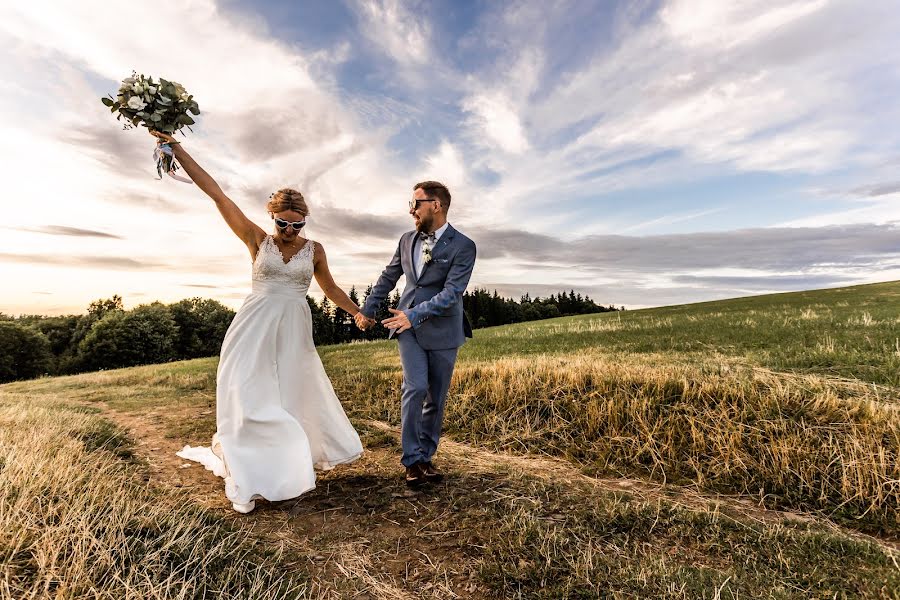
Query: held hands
{"points": [[399, 321], [362, 321]]}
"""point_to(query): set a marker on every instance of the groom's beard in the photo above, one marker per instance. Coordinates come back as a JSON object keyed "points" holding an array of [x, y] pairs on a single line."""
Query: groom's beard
{"points": [[424, 224]]}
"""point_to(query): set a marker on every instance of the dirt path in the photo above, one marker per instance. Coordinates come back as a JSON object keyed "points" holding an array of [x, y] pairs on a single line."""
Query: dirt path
{"points": [[361, 533]]}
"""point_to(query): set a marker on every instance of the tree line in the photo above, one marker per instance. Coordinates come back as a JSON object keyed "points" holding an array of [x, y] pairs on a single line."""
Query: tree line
{"points": [[332, 325], [110, 337]]}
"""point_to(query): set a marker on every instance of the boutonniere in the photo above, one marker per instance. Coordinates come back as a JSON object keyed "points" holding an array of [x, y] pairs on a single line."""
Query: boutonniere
{"points": [[426, 254]]}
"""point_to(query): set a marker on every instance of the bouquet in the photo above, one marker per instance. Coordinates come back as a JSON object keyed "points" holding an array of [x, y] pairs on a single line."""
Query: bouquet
{"points": [[159, 105]]}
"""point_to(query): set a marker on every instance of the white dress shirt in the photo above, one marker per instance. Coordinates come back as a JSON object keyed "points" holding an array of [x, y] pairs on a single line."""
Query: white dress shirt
{"points": [[418, 263]]}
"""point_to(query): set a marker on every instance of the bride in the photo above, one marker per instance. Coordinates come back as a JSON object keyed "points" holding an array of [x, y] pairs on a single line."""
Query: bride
{"points": [[277, 416]]}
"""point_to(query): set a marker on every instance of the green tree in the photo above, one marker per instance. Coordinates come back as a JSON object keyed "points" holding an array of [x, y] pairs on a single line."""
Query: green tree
{"points": [[202, 323], [143, 335], [352, 332], [321, 322], [378, 331], [96, 311], [24, 352], [99, 308], [70, 360], [340, 325], [59, 331]]}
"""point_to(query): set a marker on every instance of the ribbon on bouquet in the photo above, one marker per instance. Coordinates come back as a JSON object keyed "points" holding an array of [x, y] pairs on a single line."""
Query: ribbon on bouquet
{"points": [[165, 162]]}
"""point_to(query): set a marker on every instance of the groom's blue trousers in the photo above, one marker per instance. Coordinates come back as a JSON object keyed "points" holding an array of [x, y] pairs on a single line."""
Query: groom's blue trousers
{"points": [[426, 379]]}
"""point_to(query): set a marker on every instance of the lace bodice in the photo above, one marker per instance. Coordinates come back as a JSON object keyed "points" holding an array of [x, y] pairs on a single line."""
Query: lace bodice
{"points": [[271, 273]]}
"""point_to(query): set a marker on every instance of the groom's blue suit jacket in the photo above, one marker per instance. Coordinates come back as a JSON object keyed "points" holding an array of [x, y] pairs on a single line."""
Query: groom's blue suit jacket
{"points": [[432, 301]]}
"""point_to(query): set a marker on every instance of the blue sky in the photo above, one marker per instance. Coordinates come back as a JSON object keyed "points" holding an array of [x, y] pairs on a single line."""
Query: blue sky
{"points": [[643, 153]]}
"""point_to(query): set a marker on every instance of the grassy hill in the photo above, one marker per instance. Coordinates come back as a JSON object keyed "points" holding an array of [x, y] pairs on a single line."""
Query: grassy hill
{"points": [[742, 448]]}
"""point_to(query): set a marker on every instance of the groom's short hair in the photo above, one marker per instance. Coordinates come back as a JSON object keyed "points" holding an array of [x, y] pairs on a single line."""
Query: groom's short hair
{"points": [[436, 190]]}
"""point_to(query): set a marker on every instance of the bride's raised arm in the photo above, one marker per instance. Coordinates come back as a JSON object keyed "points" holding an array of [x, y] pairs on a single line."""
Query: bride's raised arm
{"points": [[249, 232]]}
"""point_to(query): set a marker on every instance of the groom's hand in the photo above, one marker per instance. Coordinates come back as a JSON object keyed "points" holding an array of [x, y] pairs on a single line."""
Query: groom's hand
{"points": [[399, 321]]}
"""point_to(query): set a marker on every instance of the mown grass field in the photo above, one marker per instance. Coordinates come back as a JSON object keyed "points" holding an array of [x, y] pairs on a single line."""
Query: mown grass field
{"points": [[785, 404]]}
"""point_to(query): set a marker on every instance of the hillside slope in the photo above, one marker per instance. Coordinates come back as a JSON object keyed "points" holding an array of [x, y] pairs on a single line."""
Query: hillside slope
{"points": [[743, 448]]}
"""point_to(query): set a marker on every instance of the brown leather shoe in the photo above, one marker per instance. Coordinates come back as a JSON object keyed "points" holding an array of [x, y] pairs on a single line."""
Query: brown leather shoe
{"points": [[415, 475], [432, 474]]}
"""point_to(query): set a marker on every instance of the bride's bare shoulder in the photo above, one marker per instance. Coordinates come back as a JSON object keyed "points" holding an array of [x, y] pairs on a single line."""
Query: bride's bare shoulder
{"points": [[318, 254], [317, 248]]}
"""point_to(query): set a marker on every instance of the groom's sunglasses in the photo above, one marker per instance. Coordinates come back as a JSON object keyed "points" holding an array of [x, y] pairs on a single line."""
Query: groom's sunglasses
{"points": [[414, 203], [297, 225]]}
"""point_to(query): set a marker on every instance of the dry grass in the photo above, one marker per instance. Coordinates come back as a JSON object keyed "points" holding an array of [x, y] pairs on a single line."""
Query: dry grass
{"points": [[77, 521], [551, 541], [92, 527], [790, 400], [802, 442]]}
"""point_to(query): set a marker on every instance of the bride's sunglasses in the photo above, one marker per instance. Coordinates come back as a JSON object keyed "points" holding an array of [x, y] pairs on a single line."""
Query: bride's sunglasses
{"points": [[282, 224]]}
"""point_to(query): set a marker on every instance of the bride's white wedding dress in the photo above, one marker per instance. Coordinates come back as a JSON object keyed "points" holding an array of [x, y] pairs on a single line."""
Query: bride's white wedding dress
{"points": [[277, 416]]}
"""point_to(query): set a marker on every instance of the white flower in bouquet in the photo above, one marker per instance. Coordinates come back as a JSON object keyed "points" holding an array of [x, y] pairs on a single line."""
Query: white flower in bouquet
{"points": [[135, 103], [157, 104]]}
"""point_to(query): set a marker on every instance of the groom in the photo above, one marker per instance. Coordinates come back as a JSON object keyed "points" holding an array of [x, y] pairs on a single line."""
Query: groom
{"points": [[430, 326]]}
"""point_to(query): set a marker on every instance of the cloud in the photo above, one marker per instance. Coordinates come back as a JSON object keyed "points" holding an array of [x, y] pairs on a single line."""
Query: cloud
{"points": [[120, 263], [355, 225], [68, 231], [265, 104], [878, 189], [778, 88], [763, 284], [671, 219], [765, 249], [671, 269], [499, 121], [521, 245], [447, 166], [879, 209], [395, 30], [637, 293], [725, 25], [145, 201], [329, 161], [90, 262], [111, 149], [300, 123], [265, 123], [546, 118], [377, 257]]}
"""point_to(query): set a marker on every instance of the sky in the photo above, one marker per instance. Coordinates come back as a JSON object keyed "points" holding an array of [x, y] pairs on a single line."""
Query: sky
{"points": [[644, 153]]}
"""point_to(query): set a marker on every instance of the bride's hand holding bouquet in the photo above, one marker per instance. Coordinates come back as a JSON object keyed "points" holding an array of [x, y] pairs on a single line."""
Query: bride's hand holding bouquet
{"points": [[160, 105]]}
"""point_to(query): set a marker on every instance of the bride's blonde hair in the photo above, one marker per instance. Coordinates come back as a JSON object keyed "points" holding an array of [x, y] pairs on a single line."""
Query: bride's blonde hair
{"points": [[287, 199]]}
